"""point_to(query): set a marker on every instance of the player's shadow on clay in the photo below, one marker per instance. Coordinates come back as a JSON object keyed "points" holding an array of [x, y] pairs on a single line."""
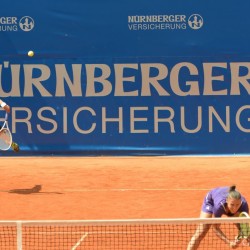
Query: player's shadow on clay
{"points": [[34, 190]]}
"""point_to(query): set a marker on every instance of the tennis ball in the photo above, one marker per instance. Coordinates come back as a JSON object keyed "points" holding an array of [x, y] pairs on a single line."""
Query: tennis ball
{"points": [[31, 53]]}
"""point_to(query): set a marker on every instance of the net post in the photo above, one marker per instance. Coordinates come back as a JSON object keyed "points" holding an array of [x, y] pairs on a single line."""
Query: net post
{"points": [[19, 235]]}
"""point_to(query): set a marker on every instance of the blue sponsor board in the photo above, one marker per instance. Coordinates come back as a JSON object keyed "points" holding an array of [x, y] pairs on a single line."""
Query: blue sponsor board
{"points": [[127, 77]]}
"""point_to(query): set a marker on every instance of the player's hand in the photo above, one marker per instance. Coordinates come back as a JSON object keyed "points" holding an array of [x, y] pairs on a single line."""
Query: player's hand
{"points": [[246, 242], [7, 108], [234, 244]]}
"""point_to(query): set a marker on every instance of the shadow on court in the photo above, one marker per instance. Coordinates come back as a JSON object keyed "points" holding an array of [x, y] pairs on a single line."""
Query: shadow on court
{"points": [[34, 190]]}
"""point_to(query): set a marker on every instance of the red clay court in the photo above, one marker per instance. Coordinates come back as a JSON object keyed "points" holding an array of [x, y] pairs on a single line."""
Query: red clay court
{"points": [[114, 187], [104, 188]]}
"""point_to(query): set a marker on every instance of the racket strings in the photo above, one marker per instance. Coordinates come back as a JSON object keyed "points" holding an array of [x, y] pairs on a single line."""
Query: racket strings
{"points": [[5, 134], [5, 139]]}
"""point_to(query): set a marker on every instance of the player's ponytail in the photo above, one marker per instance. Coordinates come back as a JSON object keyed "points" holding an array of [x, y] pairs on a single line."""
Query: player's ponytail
{"points": [[233, 193]]}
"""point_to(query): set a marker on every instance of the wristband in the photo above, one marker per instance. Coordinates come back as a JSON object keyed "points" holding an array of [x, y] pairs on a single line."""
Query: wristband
{"points": [[3, 104]]}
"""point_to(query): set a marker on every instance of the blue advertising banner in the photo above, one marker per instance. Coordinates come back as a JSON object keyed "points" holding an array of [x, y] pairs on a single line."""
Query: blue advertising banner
{"points": [[127, 77]]}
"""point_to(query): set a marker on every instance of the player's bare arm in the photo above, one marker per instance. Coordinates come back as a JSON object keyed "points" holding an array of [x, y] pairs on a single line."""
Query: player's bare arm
{"points": [[222, 236], [5, 106]]}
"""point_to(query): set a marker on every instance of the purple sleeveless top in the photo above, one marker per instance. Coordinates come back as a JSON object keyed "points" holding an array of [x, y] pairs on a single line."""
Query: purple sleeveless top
{"points": [[215, 201]]}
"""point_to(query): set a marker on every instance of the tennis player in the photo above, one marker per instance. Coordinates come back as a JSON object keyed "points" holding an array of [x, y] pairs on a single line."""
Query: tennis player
{"points": [[218, 202], [6, 107]]}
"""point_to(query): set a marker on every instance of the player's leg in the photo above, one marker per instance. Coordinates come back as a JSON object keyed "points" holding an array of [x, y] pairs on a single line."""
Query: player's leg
{"points": [[200, 233]]}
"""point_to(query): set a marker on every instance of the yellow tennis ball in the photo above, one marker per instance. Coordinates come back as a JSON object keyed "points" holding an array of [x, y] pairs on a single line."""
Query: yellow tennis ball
{"points": [[31, 53]]}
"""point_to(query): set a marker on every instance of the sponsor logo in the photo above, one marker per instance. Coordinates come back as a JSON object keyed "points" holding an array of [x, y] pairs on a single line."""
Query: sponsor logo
{"points": [[26, 23], [12, 24], [164, 22], [195, 21]]}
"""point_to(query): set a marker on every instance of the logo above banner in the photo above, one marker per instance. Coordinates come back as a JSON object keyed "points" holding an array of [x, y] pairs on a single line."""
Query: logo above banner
{"points": [[164, 22], [12, 23]]}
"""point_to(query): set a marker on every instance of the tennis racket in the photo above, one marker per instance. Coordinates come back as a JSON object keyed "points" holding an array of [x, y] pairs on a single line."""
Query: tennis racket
{"points": [[244, 230], [5, 135]]}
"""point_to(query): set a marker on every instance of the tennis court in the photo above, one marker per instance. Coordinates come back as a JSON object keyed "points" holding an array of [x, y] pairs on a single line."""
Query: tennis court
{"points": [[104, 188]]}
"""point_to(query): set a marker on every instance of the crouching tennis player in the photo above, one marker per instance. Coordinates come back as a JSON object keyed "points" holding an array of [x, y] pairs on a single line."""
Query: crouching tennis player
{"points": [[219, 201]]}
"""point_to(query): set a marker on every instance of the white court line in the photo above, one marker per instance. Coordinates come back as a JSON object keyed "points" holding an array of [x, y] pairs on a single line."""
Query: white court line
{"points": [[79, 241], [132, 189]]}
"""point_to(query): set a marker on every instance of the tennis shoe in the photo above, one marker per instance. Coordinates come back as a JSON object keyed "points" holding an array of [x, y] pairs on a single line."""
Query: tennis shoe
{"points": [[15, 147]]}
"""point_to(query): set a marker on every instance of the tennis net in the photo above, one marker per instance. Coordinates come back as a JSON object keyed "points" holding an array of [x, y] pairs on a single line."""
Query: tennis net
{"points": [[150, 234]]}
